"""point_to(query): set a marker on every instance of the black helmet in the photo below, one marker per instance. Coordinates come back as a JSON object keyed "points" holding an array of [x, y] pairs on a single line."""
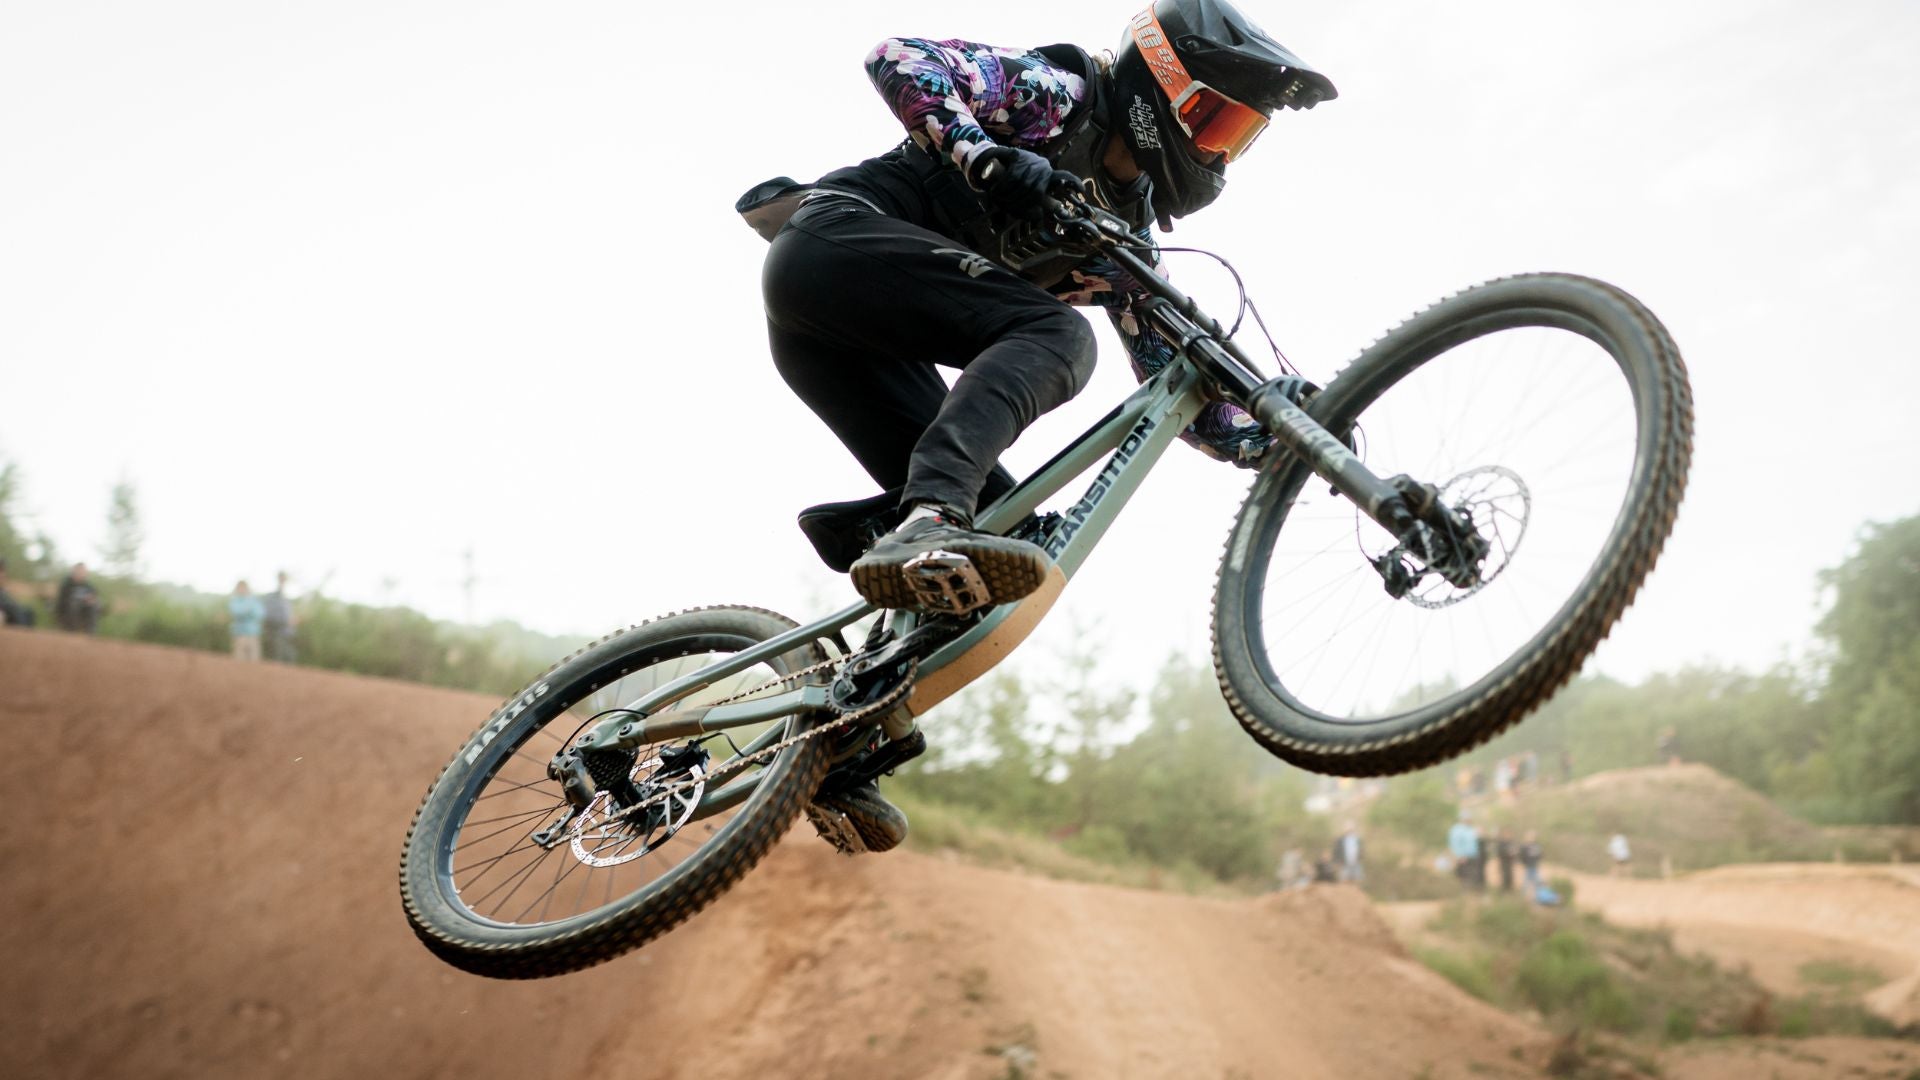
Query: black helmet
{"points": [[1198, 70]]}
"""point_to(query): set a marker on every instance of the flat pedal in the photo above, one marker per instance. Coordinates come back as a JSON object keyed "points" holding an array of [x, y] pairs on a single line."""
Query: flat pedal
{"points": [[946, 582], [837, 829]]}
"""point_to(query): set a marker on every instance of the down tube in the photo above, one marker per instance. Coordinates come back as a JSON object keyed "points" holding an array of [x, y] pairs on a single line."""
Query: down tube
{"points": [[1086, 521], [1133, 436]]}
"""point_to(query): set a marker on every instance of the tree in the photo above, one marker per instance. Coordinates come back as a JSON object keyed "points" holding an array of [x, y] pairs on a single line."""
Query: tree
{"points": [[121, 552], [13, 546], [1872, 694]]}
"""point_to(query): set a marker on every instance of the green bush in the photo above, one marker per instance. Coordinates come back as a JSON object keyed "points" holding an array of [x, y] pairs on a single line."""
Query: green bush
{"points": [[1507, 923], [1562, 973], [1416, 807], [1680, 1023], [1474, 973]]}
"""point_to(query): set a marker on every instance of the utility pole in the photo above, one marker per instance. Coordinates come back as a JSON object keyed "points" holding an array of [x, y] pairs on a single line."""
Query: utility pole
{"points": [[468, 581]]}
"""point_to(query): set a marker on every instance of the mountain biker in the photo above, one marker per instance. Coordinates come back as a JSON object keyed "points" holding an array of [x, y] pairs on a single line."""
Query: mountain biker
{"points": [[931, 255]]}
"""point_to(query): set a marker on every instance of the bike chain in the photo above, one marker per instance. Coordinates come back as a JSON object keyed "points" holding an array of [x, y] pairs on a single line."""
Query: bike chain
{"points": [[892, 697]]}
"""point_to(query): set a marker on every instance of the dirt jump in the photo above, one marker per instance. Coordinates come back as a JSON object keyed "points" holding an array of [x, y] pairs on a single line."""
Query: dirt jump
{"points": [[200, 863], [200, 860]]}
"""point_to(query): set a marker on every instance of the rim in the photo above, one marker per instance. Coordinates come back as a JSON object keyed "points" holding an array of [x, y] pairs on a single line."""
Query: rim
{"points": [[491, 868], [1535, 429]]}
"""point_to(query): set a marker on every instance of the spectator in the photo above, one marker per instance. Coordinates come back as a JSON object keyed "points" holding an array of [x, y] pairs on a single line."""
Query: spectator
{"points": [[77, 607], [1503, 779], [1668, 747], [1622, 855], [1346, 855], [1504, 850], [1292, 873], [279, 623], [1530, 855], [12, 612], [1483, 855], [1464, 842], [244, 614]]}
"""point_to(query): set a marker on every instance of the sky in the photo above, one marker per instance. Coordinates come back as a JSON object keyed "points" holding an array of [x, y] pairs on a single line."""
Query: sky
{"points": [[354, 289]]}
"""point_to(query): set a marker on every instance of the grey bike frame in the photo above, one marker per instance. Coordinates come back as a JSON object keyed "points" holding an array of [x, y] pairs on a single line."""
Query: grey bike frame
{"points": [[1130, 438]]}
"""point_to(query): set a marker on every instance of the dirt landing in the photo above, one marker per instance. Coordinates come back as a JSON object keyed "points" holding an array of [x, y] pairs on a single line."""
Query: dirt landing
{"points": [[1774, 918], [199, 860]]}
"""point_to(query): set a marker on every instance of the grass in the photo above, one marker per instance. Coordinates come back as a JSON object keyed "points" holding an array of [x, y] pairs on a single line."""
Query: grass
{"points": [[1585, 975], [1840, 977], [938, 826]]}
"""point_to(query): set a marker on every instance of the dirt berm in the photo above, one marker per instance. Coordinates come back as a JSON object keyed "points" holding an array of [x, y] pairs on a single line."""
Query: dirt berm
{"points": [[199, 862]]}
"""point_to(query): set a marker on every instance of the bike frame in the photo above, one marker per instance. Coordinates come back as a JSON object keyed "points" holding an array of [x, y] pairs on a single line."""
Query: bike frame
{"points": [[1131, 438]]}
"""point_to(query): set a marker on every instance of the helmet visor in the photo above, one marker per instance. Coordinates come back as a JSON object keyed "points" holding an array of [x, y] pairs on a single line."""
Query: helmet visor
{"points": [[1215, 122]]}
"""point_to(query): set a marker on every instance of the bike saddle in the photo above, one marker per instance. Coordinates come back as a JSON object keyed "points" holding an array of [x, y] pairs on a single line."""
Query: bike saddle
{"points": [[843, 531]]}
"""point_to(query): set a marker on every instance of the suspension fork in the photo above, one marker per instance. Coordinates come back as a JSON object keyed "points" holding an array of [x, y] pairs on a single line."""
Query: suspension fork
{"points": [[1395, 503]]}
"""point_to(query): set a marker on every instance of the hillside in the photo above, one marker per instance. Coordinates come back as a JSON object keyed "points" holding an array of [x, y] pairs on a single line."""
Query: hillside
{"points": [[200, 860], [1688, 815]]}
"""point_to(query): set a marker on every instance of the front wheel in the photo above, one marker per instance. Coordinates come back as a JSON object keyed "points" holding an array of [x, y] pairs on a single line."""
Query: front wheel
{"points": [[1552, 409], [492, 885]]}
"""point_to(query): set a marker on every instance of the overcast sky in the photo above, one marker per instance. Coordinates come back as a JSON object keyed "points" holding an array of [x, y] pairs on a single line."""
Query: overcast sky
{"points": [[349, 288]]}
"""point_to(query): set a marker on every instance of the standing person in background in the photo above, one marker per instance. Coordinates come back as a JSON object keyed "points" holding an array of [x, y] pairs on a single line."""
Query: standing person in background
{"points": [[1530, 855], [244, 614], [12, 612], [279, 623], [1504, 851], [1503, 779], [77, 607], [1464, 843], [1621, 854], [1292, 873], [1667, 748], [1346, 855]]}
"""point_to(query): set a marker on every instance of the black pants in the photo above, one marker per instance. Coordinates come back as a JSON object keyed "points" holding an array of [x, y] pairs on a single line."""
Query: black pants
{"points": [[861, 307]]}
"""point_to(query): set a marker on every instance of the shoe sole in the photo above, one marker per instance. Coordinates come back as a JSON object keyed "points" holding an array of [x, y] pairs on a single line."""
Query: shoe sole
{"points": [[1010, 569]]}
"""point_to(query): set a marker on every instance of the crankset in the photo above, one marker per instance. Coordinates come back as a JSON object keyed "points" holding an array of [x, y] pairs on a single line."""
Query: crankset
{"points": [[887, 662]]}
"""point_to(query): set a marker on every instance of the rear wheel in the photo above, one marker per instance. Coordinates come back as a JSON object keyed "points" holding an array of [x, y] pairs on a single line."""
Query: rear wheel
{"points": [[486, 894], [1555, 411]]}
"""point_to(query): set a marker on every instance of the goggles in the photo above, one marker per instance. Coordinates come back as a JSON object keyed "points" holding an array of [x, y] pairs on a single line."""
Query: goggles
{"points": [[1214, 122]]}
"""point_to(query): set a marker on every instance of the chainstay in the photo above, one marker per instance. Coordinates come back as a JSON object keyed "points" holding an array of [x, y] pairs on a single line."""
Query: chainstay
{"points": [[892, 698]]}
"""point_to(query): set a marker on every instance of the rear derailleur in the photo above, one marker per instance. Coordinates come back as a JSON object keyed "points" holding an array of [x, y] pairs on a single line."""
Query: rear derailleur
{"points": [[584, 774]]}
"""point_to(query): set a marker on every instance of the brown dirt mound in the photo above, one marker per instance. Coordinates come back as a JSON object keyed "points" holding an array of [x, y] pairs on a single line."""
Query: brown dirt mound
{"points": [[1687, 816], [200, 860]]}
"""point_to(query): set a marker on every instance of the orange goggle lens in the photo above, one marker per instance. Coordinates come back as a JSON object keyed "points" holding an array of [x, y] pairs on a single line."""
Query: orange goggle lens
{"points": [[1215, 122]]}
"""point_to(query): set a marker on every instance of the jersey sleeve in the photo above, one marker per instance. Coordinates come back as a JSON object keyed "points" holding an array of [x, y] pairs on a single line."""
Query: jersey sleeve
{"points": [[958, 97], [1222, 430]]}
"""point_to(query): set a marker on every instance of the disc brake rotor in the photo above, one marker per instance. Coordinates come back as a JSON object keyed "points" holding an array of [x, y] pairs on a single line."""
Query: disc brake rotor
{"points": [[598, 841], [1499, 504]]}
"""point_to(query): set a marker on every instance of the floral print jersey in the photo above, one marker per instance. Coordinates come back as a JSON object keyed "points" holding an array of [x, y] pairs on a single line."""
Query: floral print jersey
{"points": [[958, 97]]}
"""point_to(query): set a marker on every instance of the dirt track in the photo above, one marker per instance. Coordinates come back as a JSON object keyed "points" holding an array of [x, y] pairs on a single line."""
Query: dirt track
{"points": [[200, 861], [1773, 918]]}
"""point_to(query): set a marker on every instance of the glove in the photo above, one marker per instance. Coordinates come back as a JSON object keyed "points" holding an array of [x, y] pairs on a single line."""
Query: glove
{"points": [[1017, 181]]}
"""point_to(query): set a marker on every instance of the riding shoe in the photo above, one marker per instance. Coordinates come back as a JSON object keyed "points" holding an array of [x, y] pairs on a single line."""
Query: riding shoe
{"points": [[937, 564], [881, 825]]}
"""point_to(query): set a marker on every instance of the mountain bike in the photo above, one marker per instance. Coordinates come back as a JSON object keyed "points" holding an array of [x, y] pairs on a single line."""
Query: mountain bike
{"points": [[1435, 543]]}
